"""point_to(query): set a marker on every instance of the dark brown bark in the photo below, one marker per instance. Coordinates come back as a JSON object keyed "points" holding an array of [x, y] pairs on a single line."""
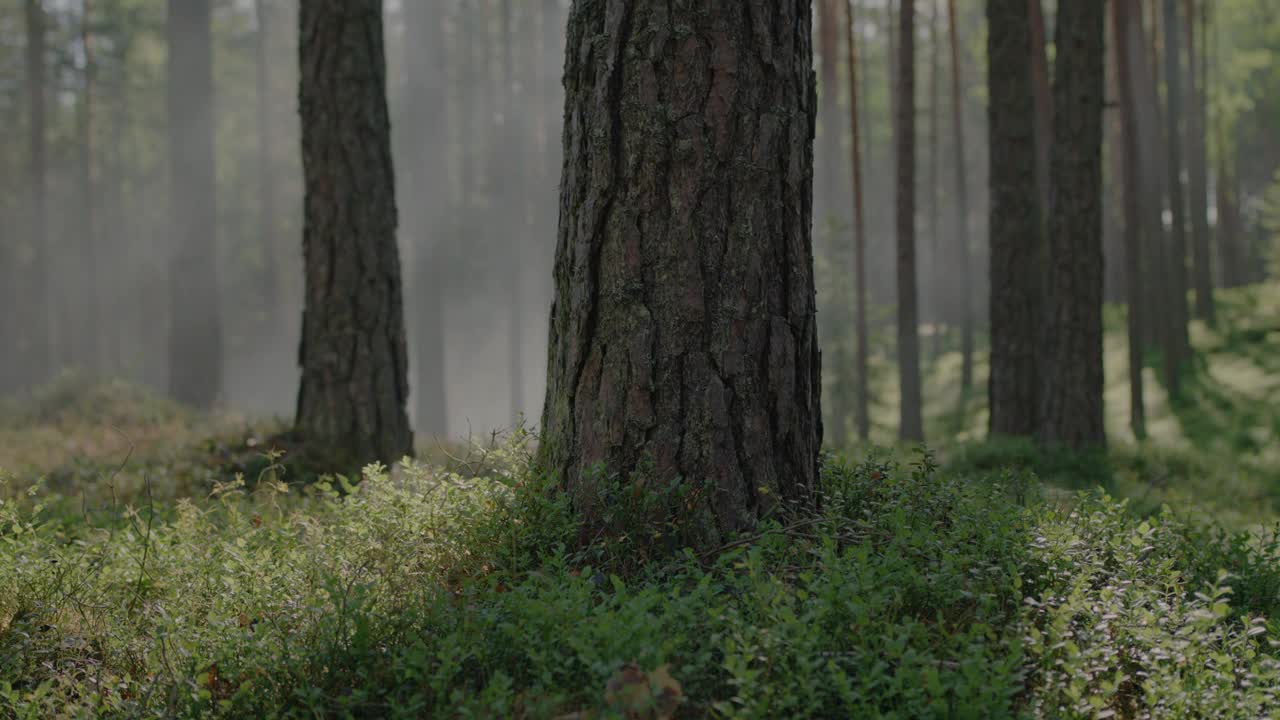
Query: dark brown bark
{"points": [[862, 412], [1071, 377], [1123, 12], [683, 340], [195, 330], [911, 422], [1198, 185], [353, 358], [1177, 199], [424, 212], [1043, 99], [35, 332], [1015, 222], [965, 299]]}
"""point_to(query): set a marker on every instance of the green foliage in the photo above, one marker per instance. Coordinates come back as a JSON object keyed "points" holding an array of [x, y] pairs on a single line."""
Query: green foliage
{"points": [[421, 592]]}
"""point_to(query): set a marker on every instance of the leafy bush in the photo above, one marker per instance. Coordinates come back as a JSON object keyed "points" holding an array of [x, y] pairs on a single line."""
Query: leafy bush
{"points": [[421, 592]]}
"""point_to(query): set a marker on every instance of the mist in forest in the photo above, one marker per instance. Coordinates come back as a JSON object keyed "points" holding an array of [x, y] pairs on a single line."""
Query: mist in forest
{"points": [[475, 103]]}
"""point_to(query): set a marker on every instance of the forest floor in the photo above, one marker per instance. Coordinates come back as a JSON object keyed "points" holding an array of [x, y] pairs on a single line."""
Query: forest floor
{"points": [[154, 564]]}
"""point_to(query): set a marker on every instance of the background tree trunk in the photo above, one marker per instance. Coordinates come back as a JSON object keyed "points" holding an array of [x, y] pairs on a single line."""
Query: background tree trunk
{"points": [[862, 411], [354, 375], [89, 298], [1043, 101], [683, 340], [911, 422], [271, 295], [195, 332], [935, 299], [1177, 200], [826, 203], [512, 183], [35, 332], [1122, 14], [1015, 222], [1198, 185], [1071, 389], [965, 299], [427, 104]]}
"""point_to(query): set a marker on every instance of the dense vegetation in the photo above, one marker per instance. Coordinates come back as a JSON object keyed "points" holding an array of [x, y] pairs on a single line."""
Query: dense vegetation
{"points": [[993, 580]]}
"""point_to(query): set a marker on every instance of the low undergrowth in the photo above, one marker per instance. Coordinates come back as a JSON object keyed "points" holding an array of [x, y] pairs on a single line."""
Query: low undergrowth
{"points": [[915, 593]]}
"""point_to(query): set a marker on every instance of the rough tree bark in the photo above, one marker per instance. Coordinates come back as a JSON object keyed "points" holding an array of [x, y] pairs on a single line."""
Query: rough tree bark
{"points": [[195, 330], [1015, 222], [427, 103], [1071, 378], [683, 338], [862, 412], [911, 422], [354, 376], [1123, 12], [965, 292], [1197, 170]]}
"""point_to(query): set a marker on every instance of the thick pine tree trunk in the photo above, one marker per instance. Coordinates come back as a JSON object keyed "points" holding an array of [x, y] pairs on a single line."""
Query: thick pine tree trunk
{"points": [[1198, 185], [1015, 222], [195, 330], [425, 63], [683, 338], [1124, 12], [862, 412], [1071, 377], [911, 422], [354, 376]]}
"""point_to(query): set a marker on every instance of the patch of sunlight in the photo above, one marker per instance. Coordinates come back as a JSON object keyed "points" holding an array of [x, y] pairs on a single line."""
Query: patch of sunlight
{"points": [[1242, 375]]}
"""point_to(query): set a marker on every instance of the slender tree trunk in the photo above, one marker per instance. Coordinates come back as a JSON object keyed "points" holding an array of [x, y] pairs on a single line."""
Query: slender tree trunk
{"points": [[829, 111], [1015, 222], [965, 299], [1164, 329], [1072, 380], [1043, 100], [933, 289], [1122, 14], [862, 411], [90, 298], [271, 296], [1198, 186], [353, 357], [911, 423], [36, 330], [513, 184], [683, 340], [1177, 200], [195, 332], [427, 104]]}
